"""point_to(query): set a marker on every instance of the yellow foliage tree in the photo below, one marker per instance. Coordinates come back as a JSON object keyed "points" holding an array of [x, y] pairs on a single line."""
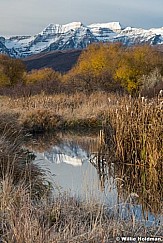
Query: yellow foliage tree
{"points": [[12, 69], [4, 80], [45, 74], [134, 63], [95, 66]]}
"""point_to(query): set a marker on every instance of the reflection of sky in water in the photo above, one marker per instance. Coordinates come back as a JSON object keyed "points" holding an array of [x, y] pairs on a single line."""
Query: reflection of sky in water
{"points": [[73, 172], [68, 168]]}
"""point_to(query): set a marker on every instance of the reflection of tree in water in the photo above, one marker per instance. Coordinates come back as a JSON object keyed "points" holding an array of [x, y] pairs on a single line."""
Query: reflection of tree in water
{"points": [[145, 184], [99, 160], [42, 142]]}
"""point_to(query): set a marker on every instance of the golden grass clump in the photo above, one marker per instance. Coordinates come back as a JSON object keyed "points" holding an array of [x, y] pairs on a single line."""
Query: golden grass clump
{"points": [[40, 120], [138, 130], [47, 112], [83, 123]]}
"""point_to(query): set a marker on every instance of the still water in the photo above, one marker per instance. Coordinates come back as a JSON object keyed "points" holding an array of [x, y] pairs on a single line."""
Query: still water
{"points": [[76, 164]]}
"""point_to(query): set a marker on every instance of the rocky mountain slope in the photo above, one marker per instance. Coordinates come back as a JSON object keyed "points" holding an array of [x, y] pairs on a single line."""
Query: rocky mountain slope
{"points": [[77, 36]]}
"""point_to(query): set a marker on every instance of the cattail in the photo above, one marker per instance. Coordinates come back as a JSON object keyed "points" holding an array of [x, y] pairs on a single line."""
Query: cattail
{"points": [[160, 93]]}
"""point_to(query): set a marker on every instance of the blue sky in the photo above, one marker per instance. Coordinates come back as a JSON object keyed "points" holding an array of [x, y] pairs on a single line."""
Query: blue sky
{"points": [[30, 17]]}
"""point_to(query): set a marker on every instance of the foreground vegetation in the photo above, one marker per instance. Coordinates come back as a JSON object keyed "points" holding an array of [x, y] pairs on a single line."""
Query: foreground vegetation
{"points": [[65, 219], [29, 213]]}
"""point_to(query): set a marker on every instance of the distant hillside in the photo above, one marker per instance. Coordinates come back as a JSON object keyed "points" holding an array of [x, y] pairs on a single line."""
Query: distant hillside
{"points": [[61, 61]]}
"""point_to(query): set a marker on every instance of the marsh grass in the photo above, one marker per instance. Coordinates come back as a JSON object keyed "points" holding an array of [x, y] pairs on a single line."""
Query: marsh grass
{"points": [[41, 121], [28, 213], [62, 111], [135, 129], [63, 220], [16, 162]]}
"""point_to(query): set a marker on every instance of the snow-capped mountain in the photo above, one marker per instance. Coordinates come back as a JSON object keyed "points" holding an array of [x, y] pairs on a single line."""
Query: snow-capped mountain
{"points": [[75, 35], [68, 153]]}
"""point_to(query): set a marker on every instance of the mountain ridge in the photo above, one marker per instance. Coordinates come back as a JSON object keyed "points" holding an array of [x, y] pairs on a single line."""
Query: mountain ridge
{"points": [[76, 35]]}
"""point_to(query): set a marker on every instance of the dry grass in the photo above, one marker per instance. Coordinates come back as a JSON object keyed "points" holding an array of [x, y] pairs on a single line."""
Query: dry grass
{"points": [[44, 113], [63, 220], [136, 130], [16, 162]]}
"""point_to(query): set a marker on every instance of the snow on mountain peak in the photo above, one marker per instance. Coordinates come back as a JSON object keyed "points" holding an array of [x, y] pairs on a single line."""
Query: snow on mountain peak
{"points": [[52, 29], [75, 35], [110, 25], [73, 25]]}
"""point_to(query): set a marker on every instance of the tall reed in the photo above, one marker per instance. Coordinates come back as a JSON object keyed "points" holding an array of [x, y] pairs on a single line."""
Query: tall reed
{"points": [[138, 130]]}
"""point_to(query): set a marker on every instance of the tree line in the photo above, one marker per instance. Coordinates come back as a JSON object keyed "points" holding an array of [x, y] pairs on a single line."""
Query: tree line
{"points": [[108, 67], [114, 66]]}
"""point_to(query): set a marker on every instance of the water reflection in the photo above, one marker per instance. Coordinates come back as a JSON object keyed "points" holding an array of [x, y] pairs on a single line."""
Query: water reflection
{"points": [[69, 153], [83, 165]]}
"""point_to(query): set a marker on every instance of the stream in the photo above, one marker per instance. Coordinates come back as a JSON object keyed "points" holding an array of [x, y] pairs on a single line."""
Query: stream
{"points": [[72, 164]]}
